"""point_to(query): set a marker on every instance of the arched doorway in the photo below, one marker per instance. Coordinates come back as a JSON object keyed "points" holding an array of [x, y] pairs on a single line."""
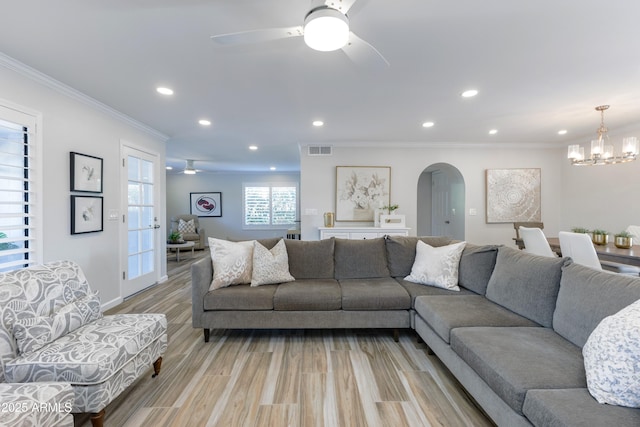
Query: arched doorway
{"points": [[441, 207]]}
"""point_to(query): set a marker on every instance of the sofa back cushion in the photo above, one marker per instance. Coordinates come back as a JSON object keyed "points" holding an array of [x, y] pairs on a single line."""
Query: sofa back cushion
{"points": [[36, 292], [360, 259], [476, 266], [526, 284], [587, 296], [401, 251], [312, 259]]}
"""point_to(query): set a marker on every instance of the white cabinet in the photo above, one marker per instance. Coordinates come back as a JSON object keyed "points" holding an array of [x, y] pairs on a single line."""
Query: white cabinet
{"points": [[361, 232]]}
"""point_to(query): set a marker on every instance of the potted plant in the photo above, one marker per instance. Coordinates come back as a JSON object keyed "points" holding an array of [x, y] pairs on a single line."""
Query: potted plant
{"points": [[623, 240], [580, 230], [174, 237], [600, 237], [390, 208]]}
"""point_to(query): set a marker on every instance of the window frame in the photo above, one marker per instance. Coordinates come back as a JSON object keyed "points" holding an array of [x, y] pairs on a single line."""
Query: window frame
{"points": [[33, 231], [270, 186]]}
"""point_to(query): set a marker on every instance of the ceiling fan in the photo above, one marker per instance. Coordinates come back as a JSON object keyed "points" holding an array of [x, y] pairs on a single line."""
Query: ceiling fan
{"points": [[189, 169], [326, 28]]}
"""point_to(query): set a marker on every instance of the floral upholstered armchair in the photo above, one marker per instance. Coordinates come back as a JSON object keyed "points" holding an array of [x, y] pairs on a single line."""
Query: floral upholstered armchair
{"points": [[52, 330]]}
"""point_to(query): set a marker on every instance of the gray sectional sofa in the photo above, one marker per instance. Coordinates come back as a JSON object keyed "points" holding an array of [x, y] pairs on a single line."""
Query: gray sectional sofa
{"points": [[513, 334]]}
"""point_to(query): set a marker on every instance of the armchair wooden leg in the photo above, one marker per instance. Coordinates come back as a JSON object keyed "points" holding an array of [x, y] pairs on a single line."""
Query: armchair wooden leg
{"points": [[97, 419], [396, 335], [156, 367], [206, 335]]}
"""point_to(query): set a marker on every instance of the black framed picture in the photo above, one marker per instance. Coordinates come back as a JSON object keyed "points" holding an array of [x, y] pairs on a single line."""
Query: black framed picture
{"points": [[86, 214], [206, 204], [86, 173]]}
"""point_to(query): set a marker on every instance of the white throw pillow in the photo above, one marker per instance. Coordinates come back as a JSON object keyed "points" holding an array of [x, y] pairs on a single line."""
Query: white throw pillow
{"points": [[186, 227], [270, 266], [612, 358], [232, 262], [437, 266]]}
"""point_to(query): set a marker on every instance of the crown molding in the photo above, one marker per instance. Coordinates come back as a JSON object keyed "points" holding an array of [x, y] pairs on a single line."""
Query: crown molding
{"points": [[45, 80]]}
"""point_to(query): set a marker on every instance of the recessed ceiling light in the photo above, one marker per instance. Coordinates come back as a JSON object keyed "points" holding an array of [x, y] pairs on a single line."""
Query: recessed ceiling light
{"points": [[204, 122], [253, 147], [493, 131], [469, 93], [562, 132], [428, 124], [169, 168], [318, 123], [272, 168], [164, 91]]}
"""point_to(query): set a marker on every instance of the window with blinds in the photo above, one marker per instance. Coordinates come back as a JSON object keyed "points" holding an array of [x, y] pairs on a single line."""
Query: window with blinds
{"points": [[268, 205], [17, 191]]}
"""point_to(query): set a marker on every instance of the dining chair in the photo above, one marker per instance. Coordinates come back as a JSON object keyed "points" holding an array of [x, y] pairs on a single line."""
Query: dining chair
{"points": [[580, 248], [535, 242], [634, 230]]}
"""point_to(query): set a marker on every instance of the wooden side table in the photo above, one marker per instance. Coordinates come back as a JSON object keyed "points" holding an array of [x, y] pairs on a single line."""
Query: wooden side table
{"points": [[178, 246]]}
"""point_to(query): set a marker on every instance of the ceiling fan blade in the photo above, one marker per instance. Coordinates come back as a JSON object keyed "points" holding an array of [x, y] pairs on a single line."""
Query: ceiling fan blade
{"points": [[363, 54], [345, 5], [258, 36]]}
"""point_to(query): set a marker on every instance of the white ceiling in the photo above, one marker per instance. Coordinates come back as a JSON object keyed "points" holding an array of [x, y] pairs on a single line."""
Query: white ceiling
{"points": [[539, 65]]}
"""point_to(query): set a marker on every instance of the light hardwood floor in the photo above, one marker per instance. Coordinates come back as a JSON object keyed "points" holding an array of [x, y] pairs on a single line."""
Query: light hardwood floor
{"points": [[284, 377]]}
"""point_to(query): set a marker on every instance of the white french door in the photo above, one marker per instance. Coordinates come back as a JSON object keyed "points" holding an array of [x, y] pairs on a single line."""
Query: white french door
{"points": [[140, 174]]}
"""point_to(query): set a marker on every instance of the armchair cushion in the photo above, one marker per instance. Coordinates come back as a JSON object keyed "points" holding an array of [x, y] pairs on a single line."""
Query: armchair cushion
{"points": [[33, 333], [90, 354]]}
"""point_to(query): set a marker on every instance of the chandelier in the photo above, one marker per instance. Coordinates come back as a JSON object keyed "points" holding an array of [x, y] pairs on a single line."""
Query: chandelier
{"points": [[601, 151]]}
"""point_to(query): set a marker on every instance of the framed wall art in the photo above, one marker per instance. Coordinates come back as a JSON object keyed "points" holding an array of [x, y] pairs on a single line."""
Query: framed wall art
{"points": [[206, 204], [360, 190], [513, 195], [86, 173], [86, 214]]}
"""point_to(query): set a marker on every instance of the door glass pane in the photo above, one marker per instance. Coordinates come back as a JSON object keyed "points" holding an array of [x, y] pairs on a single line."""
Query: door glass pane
{"points": [[134, 269], [147, 194], [147, 239], [147, 262], [134, 167], [146, 171]]}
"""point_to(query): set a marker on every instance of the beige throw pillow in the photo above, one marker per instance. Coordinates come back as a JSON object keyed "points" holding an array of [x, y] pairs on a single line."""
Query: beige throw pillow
{"points": [[232, 262], [186, 227], [437, 266], [270, 266]]}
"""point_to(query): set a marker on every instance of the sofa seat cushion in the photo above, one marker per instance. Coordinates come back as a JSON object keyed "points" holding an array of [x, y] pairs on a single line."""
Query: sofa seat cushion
{"points": [[516, 359], [241, 297], [90, 354], [39, 404], [575, 407], [415, 290], [446, 312], [308, 294], [374, 294]]}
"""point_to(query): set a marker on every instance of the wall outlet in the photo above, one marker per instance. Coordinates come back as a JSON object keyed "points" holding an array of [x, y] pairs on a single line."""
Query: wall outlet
{"points": [[311, 211], [113, 215], [473, 212]]}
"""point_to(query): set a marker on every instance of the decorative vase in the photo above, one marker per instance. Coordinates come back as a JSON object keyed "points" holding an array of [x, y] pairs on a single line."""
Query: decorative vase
{"points": [[600, 239], [623, 242], [329, 219]]}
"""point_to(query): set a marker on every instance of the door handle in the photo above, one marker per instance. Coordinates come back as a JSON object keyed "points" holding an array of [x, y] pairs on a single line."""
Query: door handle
{"points": [[447, 222], [156, 226]]}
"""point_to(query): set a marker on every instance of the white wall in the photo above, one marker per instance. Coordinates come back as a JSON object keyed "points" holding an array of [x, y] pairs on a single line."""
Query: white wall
{"points": [[71, 124], [229, 226], [318, 184]]}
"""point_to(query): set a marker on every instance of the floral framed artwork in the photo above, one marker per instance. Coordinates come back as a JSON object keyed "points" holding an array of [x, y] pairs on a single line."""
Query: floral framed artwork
{"points": [[86, 173], [86, 214], [206, 204], [513, 195], [360, 190]]}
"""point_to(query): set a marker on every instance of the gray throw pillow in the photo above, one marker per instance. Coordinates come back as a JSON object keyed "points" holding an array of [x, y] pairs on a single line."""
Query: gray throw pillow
{"points": [[360, 259], [526, 284], [401, 251]]}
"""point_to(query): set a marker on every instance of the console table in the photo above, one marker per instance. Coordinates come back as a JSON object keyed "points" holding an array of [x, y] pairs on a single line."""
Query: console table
{"points": [[361, 232]]}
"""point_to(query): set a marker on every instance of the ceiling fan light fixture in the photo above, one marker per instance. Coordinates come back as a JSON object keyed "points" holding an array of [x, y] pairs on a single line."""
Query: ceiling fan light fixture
{"points": [[326, 29], [189, 169]]}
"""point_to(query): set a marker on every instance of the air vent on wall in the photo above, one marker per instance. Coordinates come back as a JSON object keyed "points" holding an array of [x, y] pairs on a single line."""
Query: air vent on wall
{"points": [[319, 150]]}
